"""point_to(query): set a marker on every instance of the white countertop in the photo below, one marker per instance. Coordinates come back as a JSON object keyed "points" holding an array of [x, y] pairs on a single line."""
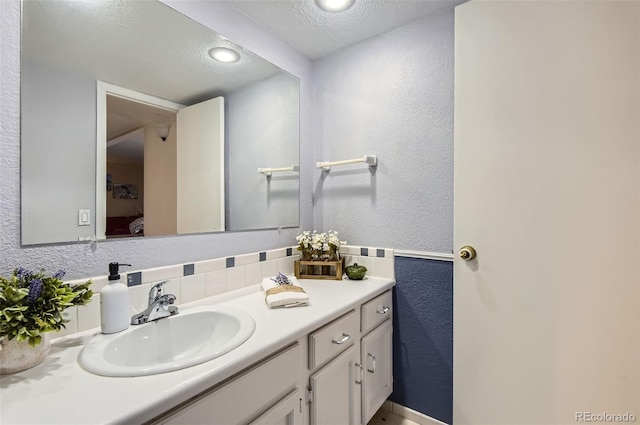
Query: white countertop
{"points": [[59, 391]]}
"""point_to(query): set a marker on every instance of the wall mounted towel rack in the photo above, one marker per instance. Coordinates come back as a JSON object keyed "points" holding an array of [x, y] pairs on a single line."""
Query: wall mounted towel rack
{"points": [[268, 171], [370, 160]]}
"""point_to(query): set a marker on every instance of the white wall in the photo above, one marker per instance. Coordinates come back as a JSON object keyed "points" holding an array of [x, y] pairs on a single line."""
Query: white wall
{"points": [[89, 259], [55, 98], [160, 176], [271, 140], [391, 96]]}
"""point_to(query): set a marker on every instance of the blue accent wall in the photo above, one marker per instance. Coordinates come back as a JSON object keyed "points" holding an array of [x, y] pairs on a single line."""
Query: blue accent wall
{"points": [[423, 337]]}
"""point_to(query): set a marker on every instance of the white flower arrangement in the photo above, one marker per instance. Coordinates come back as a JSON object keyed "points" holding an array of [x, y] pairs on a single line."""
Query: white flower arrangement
{"points": [[333, 241], [315, 244], [304, 239]]}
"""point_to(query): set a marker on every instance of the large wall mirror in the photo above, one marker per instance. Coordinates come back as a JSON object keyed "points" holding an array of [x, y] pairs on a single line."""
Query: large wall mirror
{"points": [[131, 128]]}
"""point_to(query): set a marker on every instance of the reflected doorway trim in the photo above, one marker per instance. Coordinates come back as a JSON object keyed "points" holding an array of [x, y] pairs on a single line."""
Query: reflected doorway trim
{"points": [[102, 90]]}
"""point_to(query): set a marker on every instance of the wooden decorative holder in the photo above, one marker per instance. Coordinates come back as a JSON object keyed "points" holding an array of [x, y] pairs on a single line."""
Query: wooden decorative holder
{"points": [[319, 269]]}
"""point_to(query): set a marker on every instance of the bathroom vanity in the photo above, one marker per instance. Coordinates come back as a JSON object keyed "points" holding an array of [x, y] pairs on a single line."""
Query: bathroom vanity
{"points": [[327, 363]]}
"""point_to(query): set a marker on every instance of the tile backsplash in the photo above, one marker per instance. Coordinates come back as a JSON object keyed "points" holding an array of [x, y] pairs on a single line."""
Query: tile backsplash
{"points": [[201, 279]]}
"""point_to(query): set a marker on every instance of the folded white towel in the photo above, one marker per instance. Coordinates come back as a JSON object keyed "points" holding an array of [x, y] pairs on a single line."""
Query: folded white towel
{"points": [[284, 295]]}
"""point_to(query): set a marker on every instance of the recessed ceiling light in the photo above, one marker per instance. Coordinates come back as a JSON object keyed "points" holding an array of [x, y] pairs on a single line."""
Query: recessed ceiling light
{"points": [[223, 54], [334, 5]]}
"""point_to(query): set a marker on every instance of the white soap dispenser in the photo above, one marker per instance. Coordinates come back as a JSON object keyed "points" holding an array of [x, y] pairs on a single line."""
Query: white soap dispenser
{"points": [[114, 302]]}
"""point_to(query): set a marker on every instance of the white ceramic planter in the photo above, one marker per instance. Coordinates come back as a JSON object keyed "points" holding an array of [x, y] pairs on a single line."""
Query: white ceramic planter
{"points": [[16, 356]]}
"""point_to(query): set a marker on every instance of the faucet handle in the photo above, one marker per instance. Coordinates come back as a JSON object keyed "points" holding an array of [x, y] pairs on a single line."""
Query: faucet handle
{"points": [[156, 291], [167, 299]]}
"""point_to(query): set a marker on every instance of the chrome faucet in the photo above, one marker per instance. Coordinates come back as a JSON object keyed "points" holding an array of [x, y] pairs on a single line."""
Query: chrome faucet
{"points": [[159, 306]]}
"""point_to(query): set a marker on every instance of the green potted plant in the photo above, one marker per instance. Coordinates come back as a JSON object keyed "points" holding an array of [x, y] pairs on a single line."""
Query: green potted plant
{"points": [[31, 304]]}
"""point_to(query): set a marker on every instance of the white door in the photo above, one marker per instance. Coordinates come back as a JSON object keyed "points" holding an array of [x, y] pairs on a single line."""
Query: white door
{"points": [[547, 188], [200, 168]]}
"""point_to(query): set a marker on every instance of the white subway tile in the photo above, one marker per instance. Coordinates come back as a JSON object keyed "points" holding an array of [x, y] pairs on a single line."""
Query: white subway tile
{"points": [[350, 249], [253, 274], [284, 265], [139, 298], [269, 268], [368, 262], [210, 265], [97, 283], [349, 259], [192, 288], [89, 314], [243, 260], [274, 254], [385, 268], [215, 282], [212, 277], [162, 273], [235, 278]]}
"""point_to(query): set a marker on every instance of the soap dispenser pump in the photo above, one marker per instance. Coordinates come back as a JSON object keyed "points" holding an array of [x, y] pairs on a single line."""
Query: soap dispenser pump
{"points": [[114, 302]]}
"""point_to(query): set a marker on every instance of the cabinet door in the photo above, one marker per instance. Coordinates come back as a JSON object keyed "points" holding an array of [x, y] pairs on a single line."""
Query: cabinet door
{"points": [[377, 360], [335, 395], [287, 411]]}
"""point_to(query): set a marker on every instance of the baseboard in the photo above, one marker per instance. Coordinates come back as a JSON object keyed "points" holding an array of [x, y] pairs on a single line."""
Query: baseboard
{"points": [[410, 414]]}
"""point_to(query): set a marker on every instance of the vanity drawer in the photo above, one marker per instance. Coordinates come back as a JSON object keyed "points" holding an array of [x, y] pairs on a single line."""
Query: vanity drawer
{"points": [[376, 311], [332, 339], [243, 397]]}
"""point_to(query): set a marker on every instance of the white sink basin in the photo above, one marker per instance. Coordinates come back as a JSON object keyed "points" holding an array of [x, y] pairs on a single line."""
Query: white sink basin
{"points": [[192, 337]]}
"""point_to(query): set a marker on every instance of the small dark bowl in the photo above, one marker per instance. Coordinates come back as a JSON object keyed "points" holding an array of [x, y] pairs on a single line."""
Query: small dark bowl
{"points": [[356, 272]]}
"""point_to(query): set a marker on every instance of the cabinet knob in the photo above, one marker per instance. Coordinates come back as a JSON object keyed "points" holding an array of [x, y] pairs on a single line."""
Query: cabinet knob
{"points": [[467, 253], [384, 310]]}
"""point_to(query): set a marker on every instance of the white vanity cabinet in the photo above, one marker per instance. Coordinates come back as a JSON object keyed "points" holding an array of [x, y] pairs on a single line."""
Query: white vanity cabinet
{"points": [[351, 365], [333, 392], [376, 353], [267, 393], [339, 374]]}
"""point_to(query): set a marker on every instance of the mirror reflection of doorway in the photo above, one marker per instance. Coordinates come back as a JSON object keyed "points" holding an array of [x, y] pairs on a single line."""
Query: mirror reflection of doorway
{"points": [[182, 188], [140, 169]]}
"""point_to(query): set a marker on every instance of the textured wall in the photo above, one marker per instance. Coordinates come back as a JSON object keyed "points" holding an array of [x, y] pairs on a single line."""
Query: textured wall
{"points": [[391, 96], [423, 337], [90, 259]]}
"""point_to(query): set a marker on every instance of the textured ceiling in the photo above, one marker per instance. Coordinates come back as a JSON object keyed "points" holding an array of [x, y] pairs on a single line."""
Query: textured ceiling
{"points": [[317, 33], [127, 43]]}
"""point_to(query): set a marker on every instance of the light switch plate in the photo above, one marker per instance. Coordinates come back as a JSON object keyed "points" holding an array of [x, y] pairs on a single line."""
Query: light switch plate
{"points": [[84, 217]]}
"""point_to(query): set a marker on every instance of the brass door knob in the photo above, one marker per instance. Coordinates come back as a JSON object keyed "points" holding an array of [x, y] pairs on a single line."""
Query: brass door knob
{"points": [[467, 253]]}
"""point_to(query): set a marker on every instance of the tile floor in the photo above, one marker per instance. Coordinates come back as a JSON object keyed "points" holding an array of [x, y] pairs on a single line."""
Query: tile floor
{"points": [[384, 417]]}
